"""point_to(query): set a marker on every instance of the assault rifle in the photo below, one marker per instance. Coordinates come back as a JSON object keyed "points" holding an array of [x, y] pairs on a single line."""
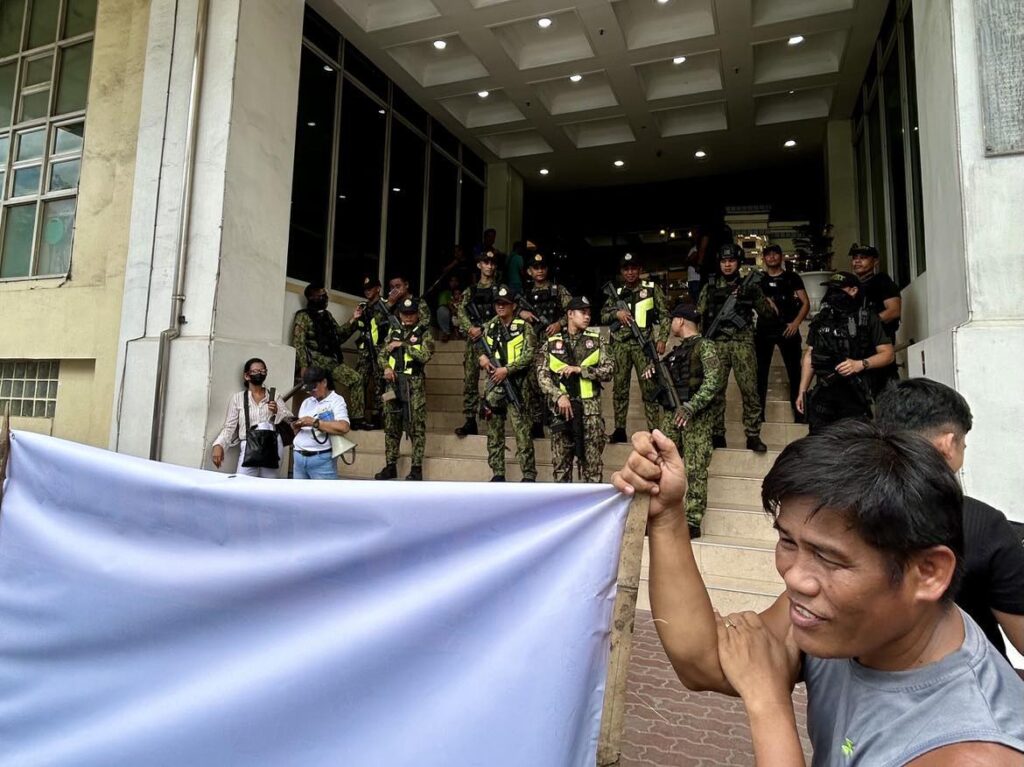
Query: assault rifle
{"points": [[525, 306], [575, 424], [728, 315], [665, 393], [370, 312], [507, 387]]}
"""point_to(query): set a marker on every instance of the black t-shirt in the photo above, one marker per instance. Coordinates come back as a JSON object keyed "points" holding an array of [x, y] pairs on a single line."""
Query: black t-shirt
{"points": [[782, 291], [876, 334], [993, 568], [877, 289]]}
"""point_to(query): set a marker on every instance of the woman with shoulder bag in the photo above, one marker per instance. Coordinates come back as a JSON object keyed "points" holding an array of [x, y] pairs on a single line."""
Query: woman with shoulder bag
{"points": [[249, 422]]}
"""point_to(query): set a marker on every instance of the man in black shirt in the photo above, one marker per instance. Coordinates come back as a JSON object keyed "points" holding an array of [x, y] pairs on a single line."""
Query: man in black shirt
{"points": [[785, 289], [992, 591], [881, 296]]}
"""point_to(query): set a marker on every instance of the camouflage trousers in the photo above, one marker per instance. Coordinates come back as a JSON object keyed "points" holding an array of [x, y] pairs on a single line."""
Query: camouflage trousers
{"points": [[521, 423], [738, 356], [533, 397], [694, 443], [351, 379], [394, 426], [471, 386], [376, 383], [563, 451], [628, 356]]}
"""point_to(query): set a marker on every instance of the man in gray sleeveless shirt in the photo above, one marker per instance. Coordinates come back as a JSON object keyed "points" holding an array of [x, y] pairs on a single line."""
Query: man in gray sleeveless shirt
{"points": [[870, 538]]}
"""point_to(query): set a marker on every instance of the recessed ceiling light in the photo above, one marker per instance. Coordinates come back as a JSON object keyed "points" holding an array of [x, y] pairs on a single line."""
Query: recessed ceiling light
{"points": [[328, 68], [575, 78], [679, 60], [619, 163], [544, 171], [791, 93], [382, 111], [790, 143], [672, 236], [342, 197], [796, 40], [440, 44], [662, 2], [662, 232], [544, 23], [311, 124], [484, 94], [700, 154], [690, 233], [395, 189]]}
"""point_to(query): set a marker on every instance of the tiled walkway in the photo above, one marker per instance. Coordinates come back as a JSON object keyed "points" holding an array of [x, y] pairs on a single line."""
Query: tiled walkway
{"points": [[668, 726]]}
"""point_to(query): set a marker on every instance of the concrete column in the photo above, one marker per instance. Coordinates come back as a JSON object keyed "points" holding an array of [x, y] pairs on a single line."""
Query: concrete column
{"points": [[237, 241], [975, 318], [504, 203], [842, 189]]}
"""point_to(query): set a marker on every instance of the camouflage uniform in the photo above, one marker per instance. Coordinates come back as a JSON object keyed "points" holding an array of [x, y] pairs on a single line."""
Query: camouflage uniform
{"points": [[735, 349], [647, 304], [372, 327], [417, 347], [317, 338], [547, 298], [482, 294], [697, 374], [517, 355], [590, 352]]}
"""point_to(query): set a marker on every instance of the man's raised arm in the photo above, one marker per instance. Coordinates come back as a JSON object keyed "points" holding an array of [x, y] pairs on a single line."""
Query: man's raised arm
{"points": [[679, 600]]}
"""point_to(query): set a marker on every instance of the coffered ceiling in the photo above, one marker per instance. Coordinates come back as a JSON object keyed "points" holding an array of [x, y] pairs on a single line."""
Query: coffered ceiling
{"points": [[571, 88]]}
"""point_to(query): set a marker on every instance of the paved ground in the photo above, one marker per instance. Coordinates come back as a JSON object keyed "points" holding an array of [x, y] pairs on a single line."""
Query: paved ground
{"points": [[668, 726]]}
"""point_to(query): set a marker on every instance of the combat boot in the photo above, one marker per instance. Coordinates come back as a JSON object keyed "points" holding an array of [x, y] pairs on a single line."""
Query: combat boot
{"points": [[528, 479], [498, 478], [467, 429], [537, 431], [388, 472], [415, 474], [754, 443], [617, 436], [717, 440], [694, 530]]}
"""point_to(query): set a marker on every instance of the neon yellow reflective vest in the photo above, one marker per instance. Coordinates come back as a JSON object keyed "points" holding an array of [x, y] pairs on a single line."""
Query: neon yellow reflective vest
{"points": [[641, 303], [516, 342], [557, 361], [405, 363]]}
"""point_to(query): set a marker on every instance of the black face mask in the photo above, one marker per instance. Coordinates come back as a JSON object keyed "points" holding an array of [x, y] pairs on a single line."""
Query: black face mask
{"points": [[316, 304], [257, 378], [841, 300]]}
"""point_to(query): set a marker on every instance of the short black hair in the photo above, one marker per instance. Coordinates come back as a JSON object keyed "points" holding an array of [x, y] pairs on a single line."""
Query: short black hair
{"points": [[923, 406], [312, 288], [321, 374], [894, 488], [490, 230], [772, 249]]}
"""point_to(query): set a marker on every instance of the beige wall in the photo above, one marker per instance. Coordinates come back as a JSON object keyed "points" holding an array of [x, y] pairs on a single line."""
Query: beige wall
{"points": [[76, 318]]}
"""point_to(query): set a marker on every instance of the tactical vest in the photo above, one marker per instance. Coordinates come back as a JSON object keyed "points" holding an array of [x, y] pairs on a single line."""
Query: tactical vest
{"points": [[718, 294], [404, 362], [378, 327], [686, 368], [640, 303], [839, 336], [546, 301], [483, 299], [511, 351], [591, 347], [322, 335]]}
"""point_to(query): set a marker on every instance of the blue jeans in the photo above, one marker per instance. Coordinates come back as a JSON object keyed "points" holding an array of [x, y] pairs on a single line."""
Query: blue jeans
{"points": [[319, 466]]}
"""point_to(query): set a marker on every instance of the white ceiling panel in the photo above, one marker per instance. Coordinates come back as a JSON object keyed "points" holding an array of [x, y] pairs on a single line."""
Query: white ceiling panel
{"points": [[599, 132], [699, 118], [787, 107], [648, 22], [775, 11], [516, 144], [476, 111], [430, 66], [665, 79], [530, 46], [564, 96], [818, 54]]}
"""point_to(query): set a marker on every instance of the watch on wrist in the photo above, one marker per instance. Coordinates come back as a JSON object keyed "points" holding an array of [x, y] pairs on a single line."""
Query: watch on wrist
{"points": [[316, 423], [864, 364]]}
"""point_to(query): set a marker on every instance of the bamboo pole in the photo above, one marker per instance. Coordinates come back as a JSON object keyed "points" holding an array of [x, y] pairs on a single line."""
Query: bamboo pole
{"points": [[613, 714]]}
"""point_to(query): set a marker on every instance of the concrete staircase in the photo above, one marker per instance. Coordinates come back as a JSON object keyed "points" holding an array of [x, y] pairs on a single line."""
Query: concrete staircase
{"points": [[735, 553]]}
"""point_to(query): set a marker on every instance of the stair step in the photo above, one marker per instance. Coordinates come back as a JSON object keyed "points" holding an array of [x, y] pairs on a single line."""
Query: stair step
{"points": [[739, 521], [724, 556], [728, 491]]}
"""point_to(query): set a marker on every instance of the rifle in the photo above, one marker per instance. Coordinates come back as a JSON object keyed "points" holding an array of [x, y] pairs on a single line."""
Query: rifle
{"points": [[507, 387], [402, 390], [728, 312], [665, 393], [575, 425], [526, 306], [370, 311]]}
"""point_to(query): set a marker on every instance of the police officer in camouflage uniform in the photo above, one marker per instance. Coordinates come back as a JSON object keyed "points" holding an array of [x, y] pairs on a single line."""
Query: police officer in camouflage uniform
{"points": [[398, 291], [371, 323], [696, 372], [579, 355], [646, 303], [317, 338], [481, 296], [406, 351], [735, 347], [550, 302], [513, 344]]}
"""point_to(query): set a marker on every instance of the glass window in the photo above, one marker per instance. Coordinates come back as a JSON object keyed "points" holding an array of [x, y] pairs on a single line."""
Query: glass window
{"points": [[69, 138], [474, 164], [878, 233], [42, 28], [73, 81], [39, 71], [35, 105], [31, 144], [408, 108], [7, 75], [26, 181], [311, 183], [444, 180], [357, 220], [64, 175], [55, 242], [405, 205], [445, 139], [19, 228], [900, 261], [11, 14], [29, 387], [471, 218], [80, 17], [320, 33], [863, 186], [915, 147], [366, 72]]}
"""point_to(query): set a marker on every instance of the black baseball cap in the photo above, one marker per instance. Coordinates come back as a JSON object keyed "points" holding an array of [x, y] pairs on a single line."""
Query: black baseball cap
{"points": [[687, 312], [486, 255], [863, 250], [628, 259], [538, 261], [503, 295], [408, 306], [842, 280], [578, 303], [370, 282]]}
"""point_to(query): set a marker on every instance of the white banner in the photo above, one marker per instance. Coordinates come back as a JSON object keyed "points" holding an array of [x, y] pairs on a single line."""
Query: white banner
{"points": [[156, 615]]}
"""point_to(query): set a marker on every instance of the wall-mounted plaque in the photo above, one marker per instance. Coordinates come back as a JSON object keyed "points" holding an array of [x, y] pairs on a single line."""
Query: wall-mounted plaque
{"points": [[1001, 67]]}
